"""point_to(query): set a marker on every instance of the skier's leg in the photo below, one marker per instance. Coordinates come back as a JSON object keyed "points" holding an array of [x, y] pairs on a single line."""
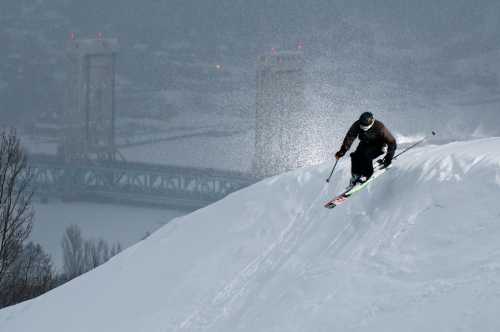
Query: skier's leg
{"points": [[364, 163], [356, 163], [370, 155], [356, 168]]}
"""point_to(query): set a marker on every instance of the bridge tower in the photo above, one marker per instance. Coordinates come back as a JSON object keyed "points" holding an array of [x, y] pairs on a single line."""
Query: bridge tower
{"points": [[280, 113], [89, 126]]}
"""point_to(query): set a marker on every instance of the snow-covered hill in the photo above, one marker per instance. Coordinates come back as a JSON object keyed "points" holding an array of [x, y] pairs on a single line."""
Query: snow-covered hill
{"points": [[418, 251]]}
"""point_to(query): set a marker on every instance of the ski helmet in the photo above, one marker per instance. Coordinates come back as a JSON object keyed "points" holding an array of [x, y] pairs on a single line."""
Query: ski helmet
{"points": [[366, 121]]}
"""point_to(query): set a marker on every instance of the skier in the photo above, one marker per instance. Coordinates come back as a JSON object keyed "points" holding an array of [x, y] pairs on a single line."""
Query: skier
{"points": [[374, 138]]}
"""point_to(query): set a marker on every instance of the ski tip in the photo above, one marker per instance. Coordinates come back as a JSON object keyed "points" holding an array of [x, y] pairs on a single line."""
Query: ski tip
{"points": [[433, 133], [330, 205]]}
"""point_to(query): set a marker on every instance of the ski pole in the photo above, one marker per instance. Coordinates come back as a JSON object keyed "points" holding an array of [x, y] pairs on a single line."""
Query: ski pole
{"points": [[414, 145], [331, 173]]}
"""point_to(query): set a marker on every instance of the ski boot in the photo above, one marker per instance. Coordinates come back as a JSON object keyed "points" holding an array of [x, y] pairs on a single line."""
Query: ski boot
{"points": [[355, 179]]}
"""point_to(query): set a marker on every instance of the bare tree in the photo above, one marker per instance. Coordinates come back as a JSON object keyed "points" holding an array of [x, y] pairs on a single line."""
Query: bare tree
{"points": [[81, 255], [73, 247], [95, 253], [29, 276], [16, 211], [115, 250]]}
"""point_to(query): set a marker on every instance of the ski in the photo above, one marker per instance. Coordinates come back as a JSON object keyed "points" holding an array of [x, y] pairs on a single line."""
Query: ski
{"points": [[344, 196]]}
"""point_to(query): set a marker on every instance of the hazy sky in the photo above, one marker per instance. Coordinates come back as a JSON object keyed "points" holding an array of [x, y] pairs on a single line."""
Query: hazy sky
{"points": [[433, 49]]}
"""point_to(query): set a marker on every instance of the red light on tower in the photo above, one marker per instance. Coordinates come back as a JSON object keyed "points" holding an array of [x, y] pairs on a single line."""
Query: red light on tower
{"points": [[99, 35], [300, 45], [72, 36], [273, 51]]}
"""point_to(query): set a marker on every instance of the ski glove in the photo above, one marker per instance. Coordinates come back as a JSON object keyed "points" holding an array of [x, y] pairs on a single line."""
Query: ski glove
{"points": [[339, 155]]}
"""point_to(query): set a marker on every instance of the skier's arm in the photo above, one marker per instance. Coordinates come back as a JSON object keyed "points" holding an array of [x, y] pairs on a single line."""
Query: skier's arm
{"points": [[391, 144], [348, 140]]}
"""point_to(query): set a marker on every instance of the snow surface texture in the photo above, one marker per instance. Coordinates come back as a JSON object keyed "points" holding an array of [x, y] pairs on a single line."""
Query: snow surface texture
{"points": [[418, 250]]}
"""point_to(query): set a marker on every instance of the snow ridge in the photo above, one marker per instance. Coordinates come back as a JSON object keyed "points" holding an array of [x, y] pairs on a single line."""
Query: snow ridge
{"points": [[417, 250], [270, 260]]}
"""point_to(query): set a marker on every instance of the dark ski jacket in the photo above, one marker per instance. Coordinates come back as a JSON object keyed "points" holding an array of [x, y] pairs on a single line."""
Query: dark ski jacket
{"points": [[376, 137]]}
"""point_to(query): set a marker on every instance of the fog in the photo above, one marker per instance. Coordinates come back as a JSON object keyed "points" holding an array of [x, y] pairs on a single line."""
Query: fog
{"points": [[188, 68]]}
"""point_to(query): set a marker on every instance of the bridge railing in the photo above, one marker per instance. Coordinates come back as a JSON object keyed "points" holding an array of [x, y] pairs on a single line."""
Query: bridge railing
{"points": [[145, 183]]}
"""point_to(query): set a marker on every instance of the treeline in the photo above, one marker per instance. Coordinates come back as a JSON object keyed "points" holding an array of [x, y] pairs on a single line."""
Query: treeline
{"points": [[32, 274], [26, 270]]}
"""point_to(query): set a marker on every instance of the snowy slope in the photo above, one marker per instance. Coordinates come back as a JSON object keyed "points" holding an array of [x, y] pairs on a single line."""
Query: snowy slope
{"points": [[418, 251]]}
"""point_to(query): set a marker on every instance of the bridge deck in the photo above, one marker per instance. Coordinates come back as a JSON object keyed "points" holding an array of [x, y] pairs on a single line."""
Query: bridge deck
{"points": [[134, 182]]}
